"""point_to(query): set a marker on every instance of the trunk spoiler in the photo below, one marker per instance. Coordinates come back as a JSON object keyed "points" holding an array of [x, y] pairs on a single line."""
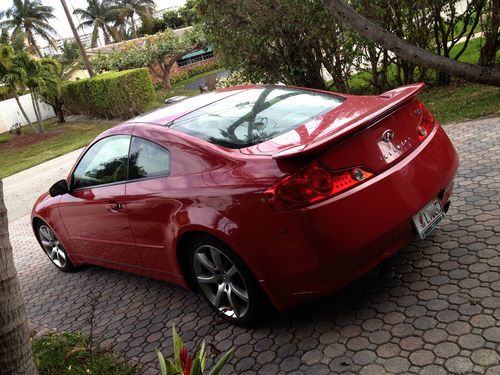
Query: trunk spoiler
{"points": [[395, 99]]}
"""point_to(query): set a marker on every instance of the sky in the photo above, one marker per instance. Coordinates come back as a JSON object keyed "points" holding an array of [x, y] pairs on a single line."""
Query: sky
{"points": [[61, 24]]}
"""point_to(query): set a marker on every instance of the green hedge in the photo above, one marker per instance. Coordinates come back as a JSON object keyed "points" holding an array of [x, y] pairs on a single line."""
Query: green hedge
{"points": [[117, 94]]}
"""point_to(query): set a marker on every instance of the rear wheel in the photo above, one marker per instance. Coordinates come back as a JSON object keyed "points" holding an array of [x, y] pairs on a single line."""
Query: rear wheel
{"points": [[53, 248], [226, 282]]}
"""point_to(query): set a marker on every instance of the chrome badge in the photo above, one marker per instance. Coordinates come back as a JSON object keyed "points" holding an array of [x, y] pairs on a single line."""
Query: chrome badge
{"points": [[388, 135]]}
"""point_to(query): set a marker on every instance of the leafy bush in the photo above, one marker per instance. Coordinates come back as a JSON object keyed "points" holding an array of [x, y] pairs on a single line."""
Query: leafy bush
{"points": [[184, 364], [116, 94]]}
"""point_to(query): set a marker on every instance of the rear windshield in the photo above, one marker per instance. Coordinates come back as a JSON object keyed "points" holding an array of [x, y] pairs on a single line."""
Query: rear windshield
{"points": [[254, 116]]}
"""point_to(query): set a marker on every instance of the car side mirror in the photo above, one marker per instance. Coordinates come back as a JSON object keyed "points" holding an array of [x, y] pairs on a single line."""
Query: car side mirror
{"points": [[59, 188]]}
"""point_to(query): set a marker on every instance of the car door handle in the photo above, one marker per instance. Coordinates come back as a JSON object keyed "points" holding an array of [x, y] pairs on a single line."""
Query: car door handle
{"points": [[114, 206]]}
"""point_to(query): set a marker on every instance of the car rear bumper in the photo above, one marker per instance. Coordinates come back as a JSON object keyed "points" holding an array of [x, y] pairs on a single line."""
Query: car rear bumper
{"points": [[333, 242]]}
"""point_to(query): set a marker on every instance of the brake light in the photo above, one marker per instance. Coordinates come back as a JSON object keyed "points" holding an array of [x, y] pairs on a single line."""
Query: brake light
{"points": [[426, 124], [313, 184]]}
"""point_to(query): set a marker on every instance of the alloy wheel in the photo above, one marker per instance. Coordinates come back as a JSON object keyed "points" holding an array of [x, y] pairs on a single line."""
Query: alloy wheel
{"points": [[52, 246], [220, 281]]}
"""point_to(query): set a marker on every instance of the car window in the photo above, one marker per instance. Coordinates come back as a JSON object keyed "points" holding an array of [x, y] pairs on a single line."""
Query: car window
{"points": [[105, 162], [255, 115], [147, 159]]}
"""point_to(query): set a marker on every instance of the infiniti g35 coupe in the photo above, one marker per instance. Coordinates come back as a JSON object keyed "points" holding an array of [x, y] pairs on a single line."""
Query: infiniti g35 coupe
{"points": [[255, 196]]}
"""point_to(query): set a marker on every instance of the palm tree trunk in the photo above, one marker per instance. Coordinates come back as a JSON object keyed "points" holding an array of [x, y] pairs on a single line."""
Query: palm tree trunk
{"points": [[407, 51], [15, 349], [32, 43], [25, 114], [33, 101], [37, 102]]}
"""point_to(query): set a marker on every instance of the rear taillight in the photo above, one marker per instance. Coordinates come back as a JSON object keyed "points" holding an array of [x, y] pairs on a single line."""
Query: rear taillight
{"points": [[426, 124], [312, 184]]}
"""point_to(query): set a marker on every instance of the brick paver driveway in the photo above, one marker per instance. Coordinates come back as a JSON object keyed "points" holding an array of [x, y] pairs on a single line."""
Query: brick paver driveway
{"points": [[432, 309]]}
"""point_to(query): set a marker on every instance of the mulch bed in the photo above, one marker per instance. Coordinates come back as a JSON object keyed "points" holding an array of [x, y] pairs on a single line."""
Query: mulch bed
{"points": [[27, 139]]}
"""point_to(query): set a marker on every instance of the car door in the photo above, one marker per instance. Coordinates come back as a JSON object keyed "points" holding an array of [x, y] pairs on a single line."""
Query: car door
{"points": [[94, 213], [149, 205]]}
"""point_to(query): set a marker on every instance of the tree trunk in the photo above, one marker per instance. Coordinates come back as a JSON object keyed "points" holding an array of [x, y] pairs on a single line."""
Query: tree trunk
{"points": [[15, 346], [491, 34], [25, 114], [39, 120], [409, 52], [85, 58]]}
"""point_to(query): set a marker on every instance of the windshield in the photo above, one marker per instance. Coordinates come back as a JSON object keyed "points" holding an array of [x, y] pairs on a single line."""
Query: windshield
{"points": [[254, 116]]}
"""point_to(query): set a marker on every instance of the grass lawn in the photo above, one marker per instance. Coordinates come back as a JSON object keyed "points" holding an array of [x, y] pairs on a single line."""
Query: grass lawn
{"points": [[459, 102], [71, 353], [29, 149]]}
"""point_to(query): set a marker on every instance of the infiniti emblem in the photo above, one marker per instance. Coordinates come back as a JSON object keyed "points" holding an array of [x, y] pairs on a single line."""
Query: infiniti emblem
{"points": [[388, 135]]}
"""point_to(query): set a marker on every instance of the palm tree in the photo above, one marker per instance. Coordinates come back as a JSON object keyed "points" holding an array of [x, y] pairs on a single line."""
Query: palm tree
{"points": [[98, 16], [31, 17], [69, 53], [13, 77], [15, 346], [127, 10], [39, 75]]}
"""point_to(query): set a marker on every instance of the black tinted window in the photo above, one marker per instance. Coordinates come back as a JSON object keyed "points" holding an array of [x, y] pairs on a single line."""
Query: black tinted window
{"points": [[255, 115], [147, 159], [105, 162]]}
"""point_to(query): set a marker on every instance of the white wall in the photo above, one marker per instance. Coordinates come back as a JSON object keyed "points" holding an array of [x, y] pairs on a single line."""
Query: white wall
{"points": [[10, 113]]}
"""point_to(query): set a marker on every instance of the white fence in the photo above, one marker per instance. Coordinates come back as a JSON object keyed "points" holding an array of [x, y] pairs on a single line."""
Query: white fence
{"points": [[10, 113]]}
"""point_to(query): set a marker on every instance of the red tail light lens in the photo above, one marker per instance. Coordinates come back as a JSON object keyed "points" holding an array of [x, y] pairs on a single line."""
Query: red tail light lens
{"points": [[313, 184], [426, 124]]}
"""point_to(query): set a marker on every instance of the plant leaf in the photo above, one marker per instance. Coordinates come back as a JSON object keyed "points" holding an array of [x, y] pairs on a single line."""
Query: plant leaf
{"points": [[202, 355], [196, 369], [161, 360], [178, 345], [222, 362]]}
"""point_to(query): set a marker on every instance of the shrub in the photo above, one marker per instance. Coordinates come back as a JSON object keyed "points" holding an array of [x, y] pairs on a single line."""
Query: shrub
{"points": [[117, 94]]}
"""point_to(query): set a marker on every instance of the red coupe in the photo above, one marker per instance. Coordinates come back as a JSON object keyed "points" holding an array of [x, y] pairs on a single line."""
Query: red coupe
{"points": [[254, 195]]}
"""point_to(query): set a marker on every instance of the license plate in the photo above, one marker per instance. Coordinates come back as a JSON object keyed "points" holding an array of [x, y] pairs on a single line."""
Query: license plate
{"points": [[428, 218]]}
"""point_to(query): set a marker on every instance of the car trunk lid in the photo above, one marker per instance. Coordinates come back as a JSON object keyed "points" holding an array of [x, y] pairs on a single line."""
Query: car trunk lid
{"points": [[370, 130]]}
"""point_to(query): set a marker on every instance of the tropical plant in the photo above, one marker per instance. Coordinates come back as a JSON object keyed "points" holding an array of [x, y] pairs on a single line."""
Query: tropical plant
{"points": [[98, 16], [129, 10], [39, 76], [184, 364], [13, 77], [69, 53], [50, 91], [31, 17]]}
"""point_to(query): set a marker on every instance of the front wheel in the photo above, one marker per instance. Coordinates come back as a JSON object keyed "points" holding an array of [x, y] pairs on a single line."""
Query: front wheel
{"points": [[226, 282], [54, 249]]}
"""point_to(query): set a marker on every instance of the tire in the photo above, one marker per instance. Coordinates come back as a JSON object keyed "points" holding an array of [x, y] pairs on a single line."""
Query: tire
{"points": [[53, 248], [226, 282]]}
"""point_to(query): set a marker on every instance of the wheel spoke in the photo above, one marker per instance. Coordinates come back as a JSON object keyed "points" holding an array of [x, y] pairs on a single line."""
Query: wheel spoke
{"points": [[53, 253], [61, 256], [202, 258], [240, 292], [46, 243], [229, 294], [232, 271], [207, 279], [218, 296], [217, 259]]}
